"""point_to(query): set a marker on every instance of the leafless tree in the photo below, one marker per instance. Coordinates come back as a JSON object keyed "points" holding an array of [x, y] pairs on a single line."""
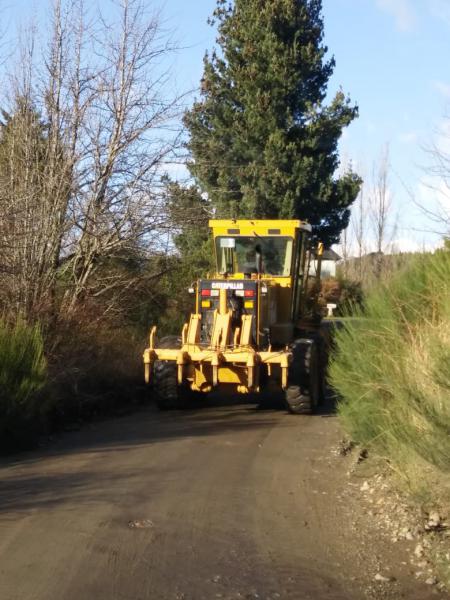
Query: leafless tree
{"points": [[23, 210], [437, 181], [380, 202], [359, 229], [354, 240], [346, 239], [344, 249], [90, 178], [373, 226], [383, 222], [117, 204]]}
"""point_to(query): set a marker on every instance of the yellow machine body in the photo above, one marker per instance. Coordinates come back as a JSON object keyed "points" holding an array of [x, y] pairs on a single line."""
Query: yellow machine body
{"points": [[245, 315]]}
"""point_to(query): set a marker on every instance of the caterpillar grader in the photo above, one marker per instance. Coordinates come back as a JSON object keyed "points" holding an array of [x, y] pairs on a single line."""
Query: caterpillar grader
{"points": [[255, 329]]}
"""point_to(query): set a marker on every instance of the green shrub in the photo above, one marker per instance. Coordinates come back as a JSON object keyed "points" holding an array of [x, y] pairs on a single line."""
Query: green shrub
{"points": [[392, 371], [352, 296], [345, 293], [22, 377]]}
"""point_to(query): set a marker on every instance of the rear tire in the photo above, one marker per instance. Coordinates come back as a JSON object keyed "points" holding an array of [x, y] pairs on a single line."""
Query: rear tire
{"points": [[305, 388]]}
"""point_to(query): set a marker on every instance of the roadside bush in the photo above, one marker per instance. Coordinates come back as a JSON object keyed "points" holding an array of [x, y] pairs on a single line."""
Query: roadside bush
{"points": [[95, 369], [345, 293], [23, 374], [79, 367], [392, 372]]}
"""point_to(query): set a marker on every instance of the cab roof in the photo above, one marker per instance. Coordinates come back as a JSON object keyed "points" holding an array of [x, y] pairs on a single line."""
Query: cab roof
{"points": [[263, 227]]}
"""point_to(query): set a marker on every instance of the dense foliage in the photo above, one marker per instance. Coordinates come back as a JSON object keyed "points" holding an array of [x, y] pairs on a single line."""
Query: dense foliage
{"points": [[83, 225], [263, 141], [392, 370], [23, 373]]}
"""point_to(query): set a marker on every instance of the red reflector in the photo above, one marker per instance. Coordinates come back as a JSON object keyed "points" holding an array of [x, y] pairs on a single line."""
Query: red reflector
{"points": [[206, 292], [249, 293]]}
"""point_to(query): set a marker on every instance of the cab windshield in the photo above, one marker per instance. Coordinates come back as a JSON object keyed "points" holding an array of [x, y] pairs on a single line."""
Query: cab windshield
{"points": [[248, 255]]}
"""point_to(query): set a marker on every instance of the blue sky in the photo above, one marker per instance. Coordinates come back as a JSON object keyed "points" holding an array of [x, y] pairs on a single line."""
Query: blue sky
{"points": [[392, 58]]}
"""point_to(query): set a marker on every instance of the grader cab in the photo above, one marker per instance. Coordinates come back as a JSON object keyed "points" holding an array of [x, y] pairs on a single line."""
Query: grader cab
{"points": [[255, 325]]}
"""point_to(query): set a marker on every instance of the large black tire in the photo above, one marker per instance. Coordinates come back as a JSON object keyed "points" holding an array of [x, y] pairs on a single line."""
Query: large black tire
{"points": [[305, 390], [167, 393]]}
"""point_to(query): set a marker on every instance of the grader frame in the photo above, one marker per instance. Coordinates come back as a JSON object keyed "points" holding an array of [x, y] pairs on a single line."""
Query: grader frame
{"points": [[242, 350]]}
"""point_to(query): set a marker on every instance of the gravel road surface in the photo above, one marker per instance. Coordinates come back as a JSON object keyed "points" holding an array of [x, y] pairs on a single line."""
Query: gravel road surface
{"points": [[228, 501]]}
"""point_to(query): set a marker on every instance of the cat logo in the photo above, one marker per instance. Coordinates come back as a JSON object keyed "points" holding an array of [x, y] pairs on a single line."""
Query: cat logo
{"points": [[226, 285]]}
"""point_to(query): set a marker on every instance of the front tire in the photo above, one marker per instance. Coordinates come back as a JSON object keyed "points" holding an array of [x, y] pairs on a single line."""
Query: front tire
{"points": [[167, 393], [304, 392]]}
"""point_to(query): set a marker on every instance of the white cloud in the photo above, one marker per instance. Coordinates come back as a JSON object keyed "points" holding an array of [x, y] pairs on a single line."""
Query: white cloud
{"points": [[433, 189], [406, 244], [434, 199], [442, 140], [176, 171], [409, 137], [442, 87], [440, 9], [434, 192], [370, 127], [406, 116], [402, 11], [410, 242]]}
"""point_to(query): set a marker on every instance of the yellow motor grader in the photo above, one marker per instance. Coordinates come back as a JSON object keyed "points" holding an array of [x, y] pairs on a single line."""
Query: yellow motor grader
{"points": [[256, 323]]}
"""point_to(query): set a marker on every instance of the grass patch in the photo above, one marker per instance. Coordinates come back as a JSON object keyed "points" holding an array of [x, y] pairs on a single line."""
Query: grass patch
{"points": [[51, 383], [392, 371], [23, 374]]}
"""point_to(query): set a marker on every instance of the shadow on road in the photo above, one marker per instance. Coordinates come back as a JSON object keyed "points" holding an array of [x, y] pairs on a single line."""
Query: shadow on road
{"points": [[219, 414], [24, 493], [68, 463]]}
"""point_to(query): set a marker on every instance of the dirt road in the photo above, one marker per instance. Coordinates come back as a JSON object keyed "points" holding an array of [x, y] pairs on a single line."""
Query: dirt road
{"points": [[225, 502]]}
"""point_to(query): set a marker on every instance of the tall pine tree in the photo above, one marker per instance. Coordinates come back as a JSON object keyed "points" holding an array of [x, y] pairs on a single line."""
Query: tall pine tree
{"points": [[263, 142]]}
